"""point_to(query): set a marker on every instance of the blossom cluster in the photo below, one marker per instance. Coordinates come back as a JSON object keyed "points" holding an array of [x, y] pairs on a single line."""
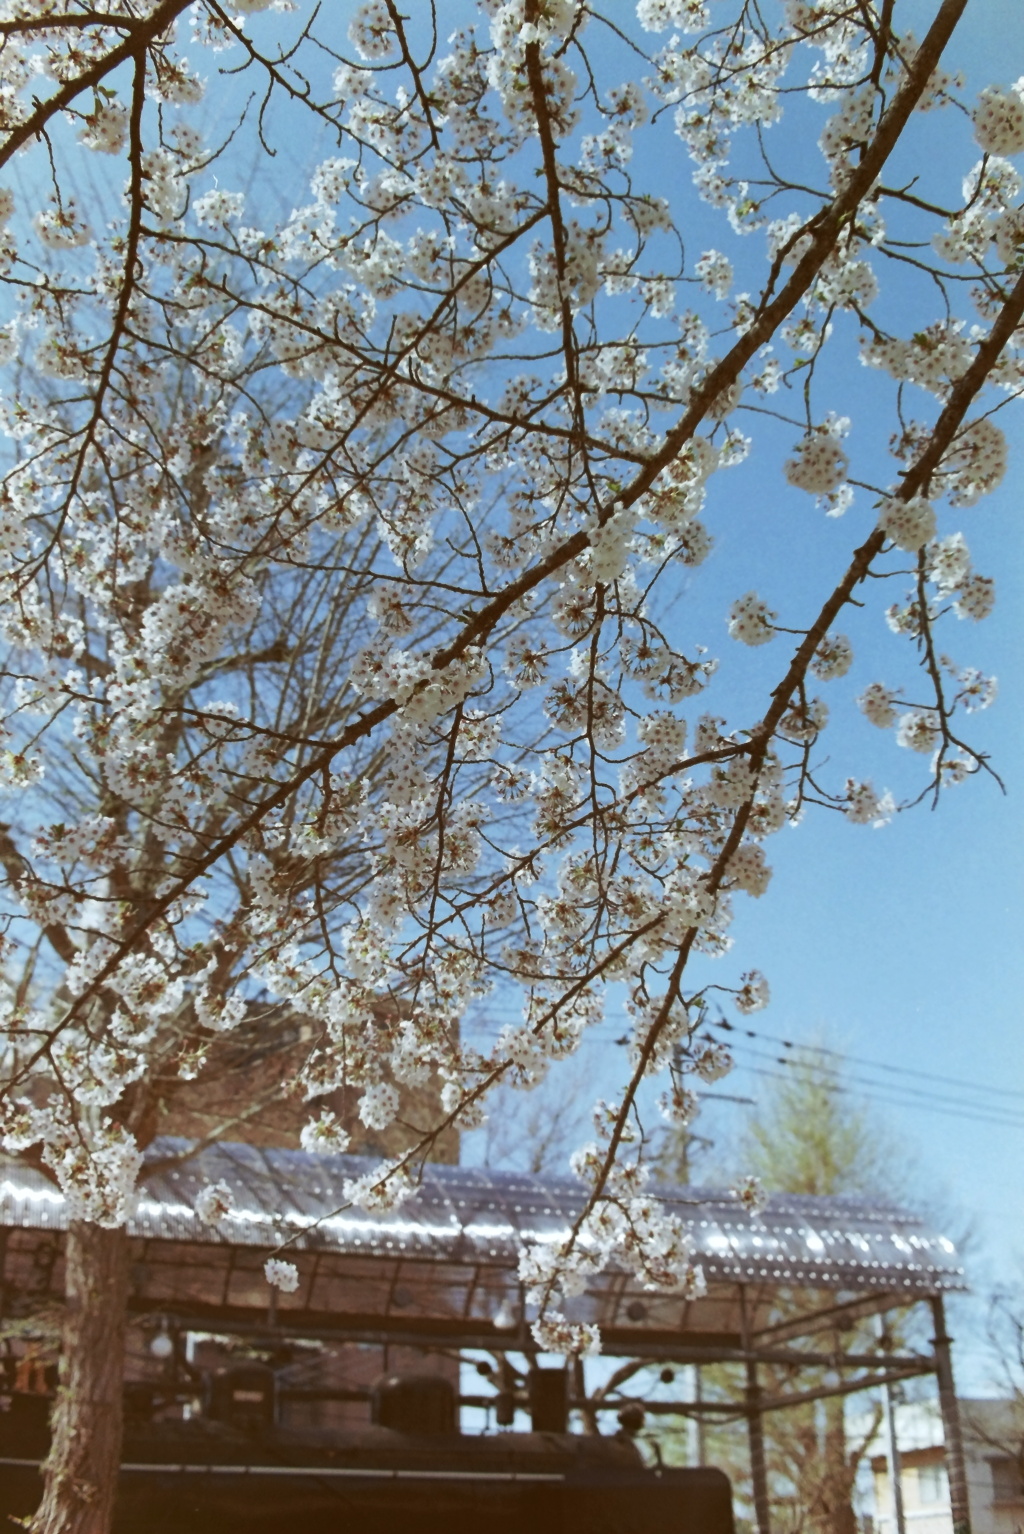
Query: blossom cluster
{"points": [[348, 530]]}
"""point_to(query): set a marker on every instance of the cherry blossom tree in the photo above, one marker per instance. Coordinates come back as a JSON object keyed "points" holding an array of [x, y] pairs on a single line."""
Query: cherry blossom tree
{"points": [[347, 522]]}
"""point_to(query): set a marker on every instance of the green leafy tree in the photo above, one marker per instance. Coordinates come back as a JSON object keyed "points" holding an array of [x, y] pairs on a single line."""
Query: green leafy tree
{"points": [[809, 1135]]}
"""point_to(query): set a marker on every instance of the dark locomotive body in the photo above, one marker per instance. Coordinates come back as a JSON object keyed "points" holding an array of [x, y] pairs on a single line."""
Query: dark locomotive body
{"points": [[233, 1470]]}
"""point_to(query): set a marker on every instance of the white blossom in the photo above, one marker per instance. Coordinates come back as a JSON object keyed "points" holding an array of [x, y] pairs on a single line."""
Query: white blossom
{"points": [[948, 562], [865, 807], [750, 1193], [909, 523], [833, 657], [554, 1334], [819, 465], [976, 690], [753, 993], [877, 704], [324, 1135], [751, 620], [214, 1203], [678, 1105], [918, 730], [715, 273], [96, 1172], [712, 1062], [999, 119], [281, 1275], [218, 208], [386, 1187], [749, 869], [659, 15], [977, 597], [372, 31], [105, 128], [63, 227], [804, 719], [976, 462]]}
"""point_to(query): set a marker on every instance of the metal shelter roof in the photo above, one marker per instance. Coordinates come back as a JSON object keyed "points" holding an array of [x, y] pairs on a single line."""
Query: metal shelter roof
{"points": [[447, 1257], [484, 1216]]}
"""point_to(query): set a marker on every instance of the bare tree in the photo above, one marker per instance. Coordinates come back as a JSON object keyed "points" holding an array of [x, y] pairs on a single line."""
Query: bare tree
{"points": [[482, 344], [997, 1426]]}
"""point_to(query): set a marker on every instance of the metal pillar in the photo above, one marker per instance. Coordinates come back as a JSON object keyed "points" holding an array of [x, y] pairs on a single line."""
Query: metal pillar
{"points": [[698, 1396], [955, 1469], [758, 1468], [695, 1448], [892, 1447], [892, 1459]]}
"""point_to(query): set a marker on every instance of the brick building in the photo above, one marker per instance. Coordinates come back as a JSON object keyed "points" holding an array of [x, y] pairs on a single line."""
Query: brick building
{"points": [[247, 1092]]}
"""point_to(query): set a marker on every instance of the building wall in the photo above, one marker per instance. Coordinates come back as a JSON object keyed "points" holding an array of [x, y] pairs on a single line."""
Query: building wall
{"points": [[247, 1092], [925, 1490], [993, 1434]]}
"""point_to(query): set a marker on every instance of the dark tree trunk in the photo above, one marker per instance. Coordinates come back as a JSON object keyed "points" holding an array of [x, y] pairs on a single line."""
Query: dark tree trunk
{"points": [[839, 1474], [80, 1475]]}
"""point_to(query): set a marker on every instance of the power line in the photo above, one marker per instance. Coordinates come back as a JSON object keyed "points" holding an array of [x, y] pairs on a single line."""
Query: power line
{"points": [[834, 1077], [978, 1116], [831, 1072], [910, 1095], [881, 1065]]}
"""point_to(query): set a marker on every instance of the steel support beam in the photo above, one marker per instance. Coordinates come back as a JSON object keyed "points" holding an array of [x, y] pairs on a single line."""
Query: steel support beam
{"points": [[758, 1464], [949, 1406], [892, 1452]]}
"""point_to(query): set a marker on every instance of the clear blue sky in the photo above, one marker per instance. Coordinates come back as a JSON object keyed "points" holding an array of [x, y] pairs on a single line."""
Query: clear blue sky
{"points": [[900, 945]]}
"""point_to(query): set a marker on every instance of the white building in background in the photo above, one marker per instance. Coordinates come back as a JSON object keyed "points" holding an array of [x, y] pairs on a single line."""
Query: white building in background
{"points": [[993, 1433]]}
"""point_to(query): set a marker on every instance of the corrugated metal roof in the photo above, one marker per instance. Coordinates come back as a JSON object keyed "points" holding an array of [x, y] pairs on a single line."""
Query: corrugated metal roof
{"points": [[480, 1217]]}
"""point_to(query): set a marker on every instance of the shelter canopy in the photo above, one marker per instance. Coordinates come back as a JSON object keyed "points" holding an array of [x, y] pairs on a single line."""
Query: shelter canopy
{"points": [[444, 1263]]}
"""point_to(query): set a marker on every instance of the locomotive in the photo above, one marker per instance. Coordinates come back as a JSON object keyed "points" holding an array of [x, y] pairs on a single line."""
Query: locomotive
{"points": [[232, 1469]]}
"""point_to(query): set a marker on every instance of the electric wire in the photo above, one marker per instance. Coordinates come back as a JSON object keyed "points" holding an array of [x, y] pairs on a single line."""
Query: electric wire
{"points": [[972, 1100], [978, 1116], [832, 1073], [881, 1065], [858, 1066]]}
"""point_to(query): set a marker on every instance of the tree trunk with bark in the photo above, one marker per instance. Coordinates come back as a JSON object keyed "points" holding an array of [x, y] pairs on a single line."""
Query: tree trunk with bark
{"points": [[80, 1474], [840, 1517]]}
